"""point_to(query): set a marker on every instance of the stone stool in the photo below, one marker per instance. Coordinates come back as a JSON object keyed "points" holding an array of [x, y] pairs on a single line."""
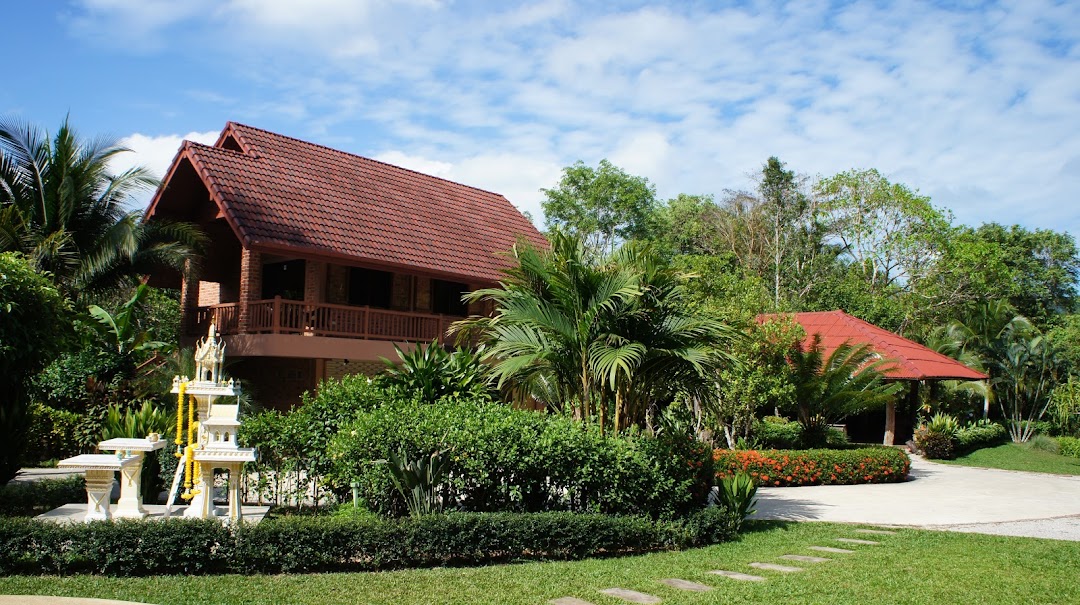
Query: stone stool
{"points": [[99, 469]]}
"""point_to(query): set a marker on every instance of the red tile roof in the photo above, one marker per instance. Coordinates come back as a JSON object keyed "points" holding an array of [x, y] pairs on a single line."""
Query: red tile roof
{"points": [[285, 195], [911, 360]]}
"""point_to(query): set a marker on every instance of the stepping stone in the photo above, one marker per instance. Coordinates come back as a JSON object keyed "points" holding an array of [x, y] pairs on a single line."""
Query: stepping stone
{"points": [[631, 596], [842, 551], [804, 558], [569, 601], [685, 585], [775, 567], [855, 541], [734, 575], [877, 532]]}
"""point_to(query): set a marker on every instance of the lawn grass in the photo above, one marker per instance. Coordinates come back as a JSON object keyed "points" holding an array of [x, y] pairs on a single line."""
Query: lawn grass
{"points": [[1017, 457], [913, 566]]}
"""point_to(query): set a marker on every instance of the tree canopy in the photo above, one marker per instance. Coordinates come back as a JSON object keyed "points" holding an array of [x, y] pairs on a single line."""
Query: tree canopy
{"points": [[604, 205], [63, 208]]}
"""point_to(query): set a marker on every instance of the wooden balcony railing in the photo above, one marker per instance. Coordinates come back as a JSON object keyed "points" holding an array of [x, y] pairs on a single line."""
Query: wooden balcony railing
{"points": [[280, 316]]}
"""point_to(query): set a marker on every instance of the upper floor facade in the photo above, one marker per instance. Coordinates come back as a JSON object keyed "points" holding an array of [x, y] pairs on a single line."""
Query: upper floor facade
{"points": [[316, 253]]}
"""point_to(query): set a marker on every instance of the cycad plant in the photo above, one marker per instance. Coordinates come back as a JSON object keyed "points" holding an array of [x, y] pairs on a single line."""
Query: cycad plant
{"points": [[431, 372], [70, 215], [829, 388]]}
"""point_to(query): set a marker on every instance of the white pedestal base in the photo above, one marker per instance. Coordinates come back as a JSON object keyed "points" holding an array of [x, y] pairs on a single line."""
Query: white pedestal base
{"points": [[130, 505], [99, 484]]}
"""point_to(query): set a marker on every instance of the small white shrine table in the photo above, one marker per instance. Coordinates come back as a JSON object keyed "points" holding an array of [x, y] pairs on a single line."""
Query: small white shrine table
{"points": [[99, 469], [130, 504]]}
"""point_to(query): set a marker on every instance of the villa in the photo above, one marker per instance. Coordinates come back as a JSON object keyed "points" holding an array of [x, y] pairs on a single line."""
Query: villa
{"points": [[321, 260]]}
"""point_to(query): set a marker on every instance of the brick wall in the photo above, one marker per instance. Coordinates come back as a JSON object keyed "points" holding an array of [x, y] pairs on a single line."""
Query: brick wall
{"points": [[209, 293], [337, 284], [275, 382], [423, 294], [401, 295], [250, 284], [337, 368], [314, 281]]}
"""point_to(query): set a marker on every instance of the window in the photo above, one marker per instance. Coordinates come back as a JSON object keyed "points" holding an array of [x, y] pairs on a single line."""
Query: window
{"points": [[446, 297], [368, 287], [284, 279]]}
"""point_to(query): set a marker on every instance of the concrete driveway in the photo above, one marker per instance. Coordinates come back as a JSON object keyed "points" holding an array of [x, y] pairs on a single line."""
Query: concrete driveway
{"points": [[940, 496]]}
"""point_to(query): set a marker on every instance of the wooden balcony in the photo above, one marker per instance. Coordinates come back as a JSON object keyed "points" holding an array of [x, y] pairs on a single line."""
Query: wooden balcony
{"points": [[281, 316]]}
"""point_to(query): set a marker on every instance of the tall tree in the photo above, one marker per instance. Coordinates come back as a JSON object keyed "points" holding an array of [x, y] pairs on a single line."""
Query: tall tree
{"points": [[62, 207], [785, 205], [1043, 269], [888, 231], [604, 205]]}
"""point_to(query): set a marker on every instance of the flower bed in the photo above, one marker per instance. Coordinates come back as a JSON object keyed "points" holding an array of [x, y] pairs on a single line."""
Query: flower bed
{"points": [[792, 468]]}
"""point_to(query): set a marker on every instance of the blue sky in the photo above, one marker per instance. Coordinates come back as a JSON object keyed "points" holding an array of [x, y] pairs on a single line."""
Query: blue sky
{"points": [[975, 104]]}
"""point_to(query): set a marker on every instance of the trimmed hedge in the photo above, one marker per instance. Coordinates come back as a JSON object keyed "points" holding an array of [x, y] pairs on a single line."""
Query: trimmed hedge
{"points": [[978, 436], [310, 544], [792, 468], [36, 497], [1069, 446]]}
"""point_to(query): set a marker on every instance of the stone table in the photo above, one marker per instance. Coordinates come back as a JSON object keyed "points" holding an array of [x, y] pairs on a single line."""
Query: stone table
{"points": [[130, 505], [99, 469]]}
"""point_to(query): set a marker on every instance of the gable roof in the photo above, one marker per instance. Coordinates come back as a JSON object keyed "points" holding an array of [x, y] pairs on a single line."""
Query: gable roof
{"points": [[911, 360], [284, 195]]}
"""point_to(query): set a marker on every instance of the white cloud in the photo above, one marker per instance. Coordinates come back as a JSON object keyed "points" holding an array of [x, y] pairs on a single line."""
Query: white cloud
{"points": [[978, 106], [518, 178], [155, 153]]}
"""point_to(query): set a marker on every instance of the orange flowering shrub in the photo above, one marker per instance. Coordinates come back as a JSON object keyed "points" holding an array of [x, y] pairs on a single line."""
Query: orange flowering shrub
{"points": [[792, 468]]}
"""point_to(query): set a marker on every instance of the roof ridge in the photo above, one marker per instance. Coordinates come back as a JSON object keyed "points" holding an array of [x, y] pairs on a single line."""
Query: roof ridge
{"points": [[356, 155]]}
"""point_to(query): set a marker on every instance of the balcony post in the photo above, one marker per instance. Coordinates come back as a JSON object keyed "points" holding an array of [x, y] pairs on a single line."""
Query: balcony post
{"points": [[250, 287], [275, 322]]}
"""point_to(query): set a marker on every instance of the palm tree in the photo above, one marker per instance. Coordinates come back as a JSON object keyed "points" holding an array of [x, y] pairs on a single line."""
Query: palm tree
{"points": [[602, 337], [62, 207], [1011, 350], [829, 388]]}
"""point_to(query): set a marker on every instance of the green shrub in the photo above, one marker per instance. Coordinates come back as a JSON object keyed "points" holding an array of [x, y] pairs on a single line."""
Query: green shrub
{"points": [[938, 446], [295, 444], [938, 438], [321, 543], [514, 460], [777, 433], [430, 372], [1069, 446], [36, 497], [52, 434], [35, 327], [791, 468], [979, 435]]}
